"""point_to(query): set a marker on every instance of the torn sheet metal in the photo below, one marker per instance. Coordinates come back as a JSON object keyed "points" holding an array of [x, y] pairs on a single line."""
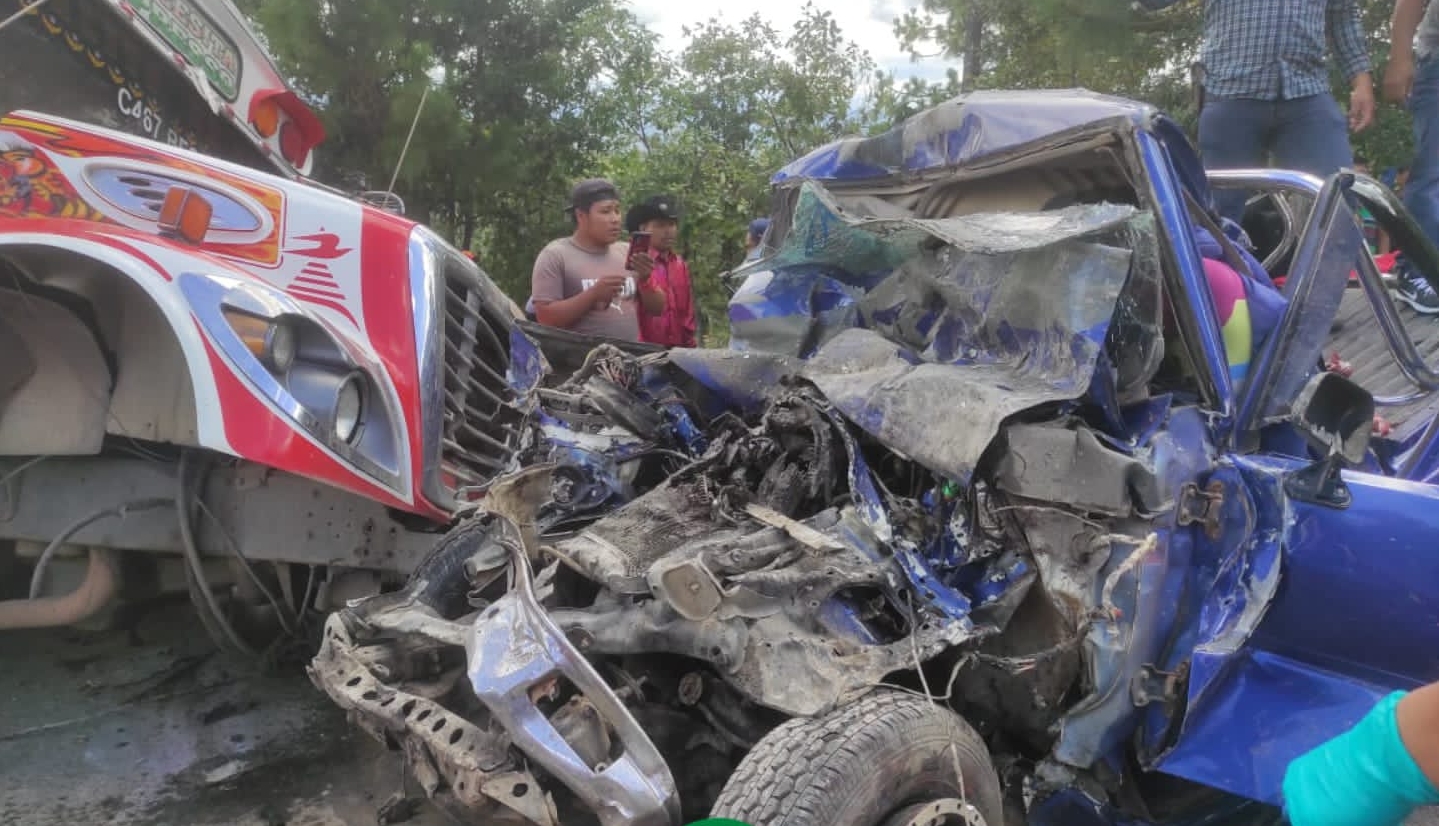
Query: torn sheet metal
{"points": [[1240, 574], [1057, 463], [745, 380], [763, 316], [1116, 566], [944, 272], [862, 251], [969, 319], [1042, 312], [528, 365], [1139, 599], [914, 407]]}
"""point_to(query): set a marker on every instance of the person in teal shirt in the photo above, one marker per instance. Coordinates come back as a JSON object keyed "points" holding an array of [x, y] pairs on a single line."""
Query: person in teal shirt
{"points": [[1376, 773]]}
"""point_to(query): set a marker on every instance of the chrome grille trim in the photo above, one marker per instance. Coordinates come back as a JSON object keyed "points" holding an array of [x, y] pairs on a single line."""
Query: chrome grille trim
{"points": [[470, 424], [480, 424]]}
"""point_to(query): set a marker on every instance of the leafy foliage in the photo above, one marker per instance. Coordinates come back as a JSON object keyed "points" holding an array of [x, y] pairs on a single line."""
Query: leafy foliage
{"points": [[740, 101], [526, 96], [506, 119], [1390, 141]]}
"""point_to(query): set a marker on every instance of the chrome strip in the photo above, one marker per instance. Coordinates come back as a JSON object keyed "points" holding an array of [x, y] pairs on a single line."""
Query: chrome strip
{"points": [[428, 318], [1195, 315], [1301, 183]]}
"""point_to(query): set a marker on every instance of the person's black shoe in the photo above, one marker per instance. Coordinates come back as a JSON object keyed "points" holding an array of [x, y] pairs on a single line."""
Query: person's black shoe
{"points": [[1415, 290]]}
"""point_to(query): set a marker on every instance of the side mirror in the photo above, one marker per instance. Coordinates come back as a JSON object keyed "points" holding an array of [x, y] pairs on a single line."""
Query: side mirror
{"points": [[1336, 416], [388, 201]]}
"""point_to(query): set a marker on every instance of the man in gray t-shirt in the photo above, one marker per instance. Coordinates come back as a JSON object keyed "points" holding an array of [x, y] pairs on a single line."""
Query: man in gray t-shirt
{"points": [[581, 282]]}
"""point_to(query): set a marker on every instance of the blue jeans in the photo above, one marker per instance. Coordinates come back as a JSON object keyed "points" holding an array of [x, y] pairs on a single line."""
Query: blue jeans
{"points": [[1421, 193], [1309, 134]]}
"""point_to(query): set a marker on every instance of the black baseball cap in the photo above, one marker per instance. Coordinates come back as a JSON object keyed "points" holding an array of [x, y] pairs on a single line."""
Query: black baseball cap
{"points": [[659, 207], [589, 192]]}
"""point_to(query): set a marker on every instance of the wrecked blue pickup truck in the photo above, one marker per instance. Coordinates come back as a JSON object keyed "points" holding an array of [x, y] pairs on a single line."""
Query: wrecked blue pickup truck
{"points": [[1022, 494]]}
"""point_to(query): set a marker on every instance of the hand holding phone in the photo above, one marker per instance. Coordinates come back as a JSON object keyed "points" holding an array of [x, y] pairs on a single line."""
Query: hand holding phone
{"points": [[639, 244], [643, 267]]}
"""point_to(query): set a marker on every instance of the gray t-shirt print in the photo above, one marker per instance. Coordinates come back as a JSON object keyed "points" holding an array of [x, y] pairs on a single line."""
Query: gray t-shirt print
{"points": [[563, 270], [627, 291]]}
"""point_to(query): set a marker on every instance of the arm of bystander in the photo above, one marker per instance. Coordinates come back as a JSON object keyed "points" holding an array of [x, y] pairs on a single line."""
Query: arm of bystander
{"points": [[547, 289], [1346, 39]]}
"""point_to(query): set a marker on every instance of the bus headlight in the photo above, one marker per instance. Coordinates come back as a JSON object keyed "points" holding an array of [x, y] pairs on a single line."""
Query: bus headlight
{"points": [[274, 342], [281, 345], [349, 407]]}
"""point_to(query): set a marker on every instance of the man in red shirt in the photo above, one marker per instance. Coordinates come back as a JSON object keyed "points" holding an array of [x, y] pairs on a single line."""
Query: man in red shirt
{"points": [[675, 327]]}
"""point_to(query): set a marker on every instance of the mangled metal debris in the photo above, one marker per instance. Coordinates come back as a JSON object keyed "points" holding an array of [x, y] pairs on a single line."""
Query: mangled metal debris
{"points": [[973, 465], [1015, 432], [791, 530]]}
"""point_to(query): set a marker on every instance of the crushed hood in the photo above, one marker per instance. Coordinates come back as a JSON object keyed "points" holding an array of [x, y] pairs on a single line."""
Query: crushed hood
{"points": [[967, 130], [928, 334]]}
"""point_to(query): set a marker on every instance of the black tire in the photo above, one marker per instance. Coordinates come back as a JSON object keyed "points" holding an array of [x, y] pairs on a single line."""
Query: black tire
{"points": [[861, 765]]}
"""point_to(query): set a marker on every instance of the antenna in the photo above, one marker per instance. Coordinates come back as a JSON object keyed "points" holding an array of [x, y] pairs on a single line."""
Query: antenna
{"points": [[24, 10], [405, 150]]}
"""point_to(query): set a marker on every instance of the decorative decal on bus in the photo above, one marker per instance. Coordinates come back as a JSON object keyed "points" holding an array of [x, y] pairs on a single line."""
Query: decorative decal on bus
{"points": [[191, 32], [31, 187], [59, 172]]}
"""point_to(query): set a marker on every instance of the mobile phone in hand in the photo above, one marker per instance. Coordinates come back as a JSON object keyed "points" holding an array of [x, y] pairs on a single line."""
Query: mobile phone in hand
{"points": [[639, 243]]}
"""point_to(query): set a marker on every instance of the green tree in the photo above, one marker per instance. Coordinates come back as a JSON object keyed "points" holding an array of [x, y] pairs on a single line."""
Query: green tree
{"points": [[1390, 141], [1102, 45], [522, 97], [506, 122], [891, 102], [740, 101]]}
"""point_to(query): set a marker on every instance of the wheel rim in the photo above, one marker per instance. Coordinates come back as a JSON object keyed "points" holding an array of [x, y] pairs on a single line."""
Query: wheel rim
{"points": [[949, 811]]}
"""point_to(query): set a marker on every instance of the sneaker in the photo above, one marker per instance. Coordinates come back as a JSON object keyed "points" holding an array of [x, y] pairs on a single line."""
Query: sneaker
{"points": [[1416, 291]]}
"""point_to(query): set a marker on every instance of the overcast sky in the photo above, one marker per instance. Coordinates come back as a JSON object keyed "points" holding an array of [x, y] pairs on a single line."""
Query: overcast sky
{"points": [[870, 23]]}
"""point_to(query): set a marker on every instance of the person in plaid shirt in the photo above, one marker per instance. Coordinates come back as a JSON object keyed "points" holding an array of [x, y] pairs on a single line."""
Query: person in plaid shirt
{"points": [[1266, 86], [1412, 79]]}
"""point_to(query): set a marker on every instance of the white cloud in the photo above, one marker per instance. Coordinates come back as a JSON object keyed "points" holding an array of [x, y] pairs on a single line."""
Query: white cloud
{"points": [[882, 11], [869, 23]]}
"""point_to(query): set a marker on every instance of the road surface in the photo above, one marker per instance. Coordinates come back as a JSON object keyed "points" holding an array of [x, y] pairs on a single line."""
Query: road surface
{"points": [[148, 726]]}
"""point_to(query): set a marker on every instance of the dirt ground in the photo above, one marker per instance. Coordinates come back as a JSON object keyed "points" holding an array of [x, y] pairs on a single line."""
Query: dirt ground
{"points": [[149, 726]]}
